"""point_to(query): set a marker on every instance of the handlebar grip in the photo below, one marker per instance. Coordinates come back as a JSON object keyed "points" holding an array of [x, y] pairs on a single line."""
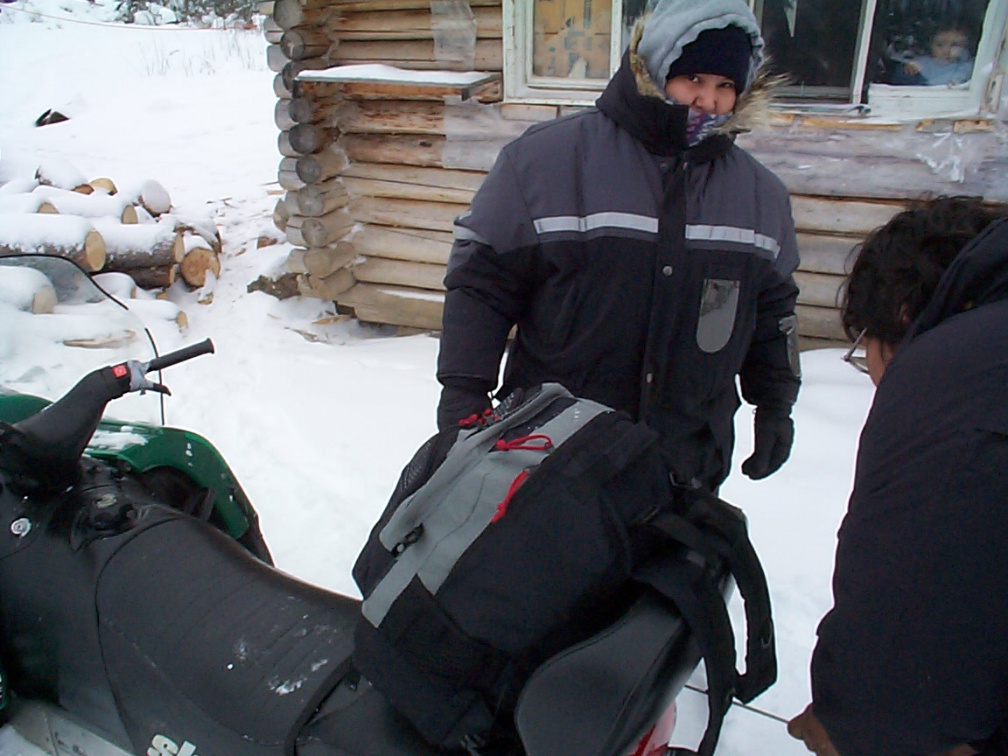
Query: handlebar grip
{"points": [[181, 355]]}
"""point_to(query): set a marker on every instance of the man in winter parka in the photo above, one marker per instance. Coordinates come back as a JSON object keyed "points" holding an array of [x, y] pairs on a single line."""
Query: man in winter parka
{"points": [[912, 659], [644, 258]]}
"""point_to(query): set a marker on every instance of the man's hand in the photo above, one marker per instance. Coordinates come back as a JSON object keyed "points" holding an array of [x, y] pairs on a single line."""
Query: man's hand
{"points": [[774, 435], [808, 728], [459, 402]]}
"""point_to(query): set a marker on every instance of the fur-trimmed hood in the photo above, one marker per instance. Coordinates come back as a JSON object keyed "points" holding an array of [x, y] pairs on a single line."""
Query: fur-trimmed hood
{"points": [[751, 108]]}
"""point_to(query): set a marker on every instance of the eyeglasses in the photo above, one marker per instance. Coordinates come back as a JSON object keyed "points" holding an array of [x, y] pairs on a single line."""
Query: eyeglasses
{"points": [[858, 361]]}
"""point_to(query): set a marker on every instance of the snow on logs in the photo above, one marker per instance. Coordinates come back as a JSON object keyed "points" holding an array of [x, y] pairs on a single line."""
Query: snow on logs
{"points": [[102, 228]]}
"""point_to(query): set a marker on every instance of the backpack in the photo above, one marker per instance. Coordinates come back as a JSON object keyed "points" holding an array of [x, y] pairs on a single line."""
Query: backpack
{"points": [[520, 533]]}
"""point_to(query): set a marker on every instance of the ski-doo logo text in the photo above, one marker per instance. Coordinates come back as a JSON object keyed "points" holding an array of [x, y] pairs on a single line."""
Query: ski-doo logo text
{"points": [[162, 746]]}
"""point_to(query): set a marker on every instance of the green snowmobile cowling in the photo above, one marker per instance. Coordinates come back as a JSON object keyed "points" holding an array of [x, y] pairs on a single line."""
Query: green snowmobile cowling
{"points": [[141, 448]]}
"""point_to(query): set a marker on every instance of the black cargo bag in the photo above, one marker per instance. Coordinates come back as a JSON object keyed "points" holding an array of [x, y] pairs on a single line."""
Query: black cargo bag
{"points": [[504, 542]]}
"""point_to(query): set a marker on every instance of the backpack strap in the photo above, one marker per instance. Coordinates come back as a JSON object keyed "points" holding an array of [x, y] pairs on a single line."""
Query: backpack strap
{"points": [[692, 589], [715, 532]]}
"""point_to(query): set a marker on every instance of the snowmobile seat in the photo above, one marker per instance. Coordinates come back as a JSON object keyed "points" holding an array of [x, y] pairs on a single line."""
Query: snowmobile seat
{"points": [[601, 696], [204, 643]]}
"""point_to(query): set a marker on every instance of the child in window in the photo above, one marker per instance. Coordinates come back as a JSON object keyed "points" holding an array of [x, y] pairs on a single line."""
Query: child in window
{"points": [[949, 63]]}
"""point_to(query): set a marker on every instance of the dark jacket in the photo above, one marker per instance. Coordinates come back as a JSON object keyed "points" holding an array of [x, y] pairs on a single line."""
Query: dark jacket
{"points": [[913, 657], [639, 273]]}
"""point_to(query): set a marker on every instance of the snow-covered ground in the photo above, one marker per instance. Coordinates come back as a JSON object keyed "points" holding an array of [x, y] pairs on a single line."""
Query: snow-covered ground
{"points": [[317, 414]]}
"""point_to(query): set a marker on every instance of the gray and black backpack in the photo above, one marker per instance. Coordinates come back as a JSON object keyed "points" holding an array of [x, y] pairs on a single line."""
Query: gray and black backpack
{"points": [[523, 532]]}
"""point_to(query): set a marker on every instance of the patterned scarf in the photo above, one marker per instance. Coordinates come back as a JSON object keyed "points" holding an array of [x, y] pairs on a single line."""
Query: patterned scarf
{"points": [[700, 125]]}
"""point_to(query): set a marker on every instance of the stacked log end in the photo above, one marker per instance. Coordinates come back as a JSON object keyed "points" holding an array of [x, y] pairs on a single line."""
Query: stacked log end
{"points": [[101, 228]]}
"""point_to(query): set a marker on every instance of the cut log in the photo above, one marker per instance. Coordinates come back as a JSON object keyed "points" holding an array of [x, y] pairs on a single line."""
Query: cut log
{"points": [[291, 71], [841, 216], [62, 235], [96, 205], [309, 110], [275, 58], [330, 287], [318, 199], [281, 215], [291, 13], [819, 289], [362, 187], [26, 289], [155, 278], [307, 138], [281, 115], [281, 88], [129, 215], [415, 308], [387, 5], [327, 260], [391, 117], [298, 44], [104, 184], [272, 30], [444, 178], [322, 231], [295, 260], [488, 54], [486, 87], [140, 246], [825, 254], [284, 146], [403, 244], [377, 270], [435, 216], [61, 174], [426, 151], [119, 285], [287, 175], [198, 260], [202, 226], [820, 322], [153, 197], [322, 165], [487, 22]]}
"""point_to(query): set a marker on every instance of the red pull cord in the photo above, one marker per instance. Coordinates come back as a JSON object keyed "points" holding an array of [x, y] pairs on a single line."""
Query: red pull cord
{"points": [[515, 485], [535, 442]]}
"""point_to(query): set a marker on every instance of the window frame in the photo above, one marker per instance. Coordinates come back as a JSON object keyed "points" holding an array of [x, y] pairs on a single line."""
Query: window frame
{"points": [[881, 101]]}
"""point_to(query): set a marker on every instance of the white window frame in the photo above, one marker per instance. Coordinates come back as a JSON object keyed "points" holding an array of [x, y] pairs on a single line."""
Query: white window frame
{"points": [[886, 102]]}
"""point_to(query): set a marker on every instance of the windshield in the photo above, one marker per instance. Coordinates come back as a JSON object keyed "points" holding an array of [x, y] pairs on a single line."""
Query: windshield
{"points": [[56, 326]]}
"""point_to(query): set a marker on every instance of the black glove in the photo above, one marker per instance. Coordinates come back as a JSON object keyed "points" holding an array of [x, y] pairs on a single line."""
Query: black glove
{"points": [[459, 401], [774, 431]]}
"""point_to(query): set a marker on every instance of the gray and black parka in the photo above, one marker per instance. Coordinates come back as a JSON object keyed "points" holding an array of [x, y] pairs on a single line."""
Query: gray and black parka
{"points": [[640, 273]]}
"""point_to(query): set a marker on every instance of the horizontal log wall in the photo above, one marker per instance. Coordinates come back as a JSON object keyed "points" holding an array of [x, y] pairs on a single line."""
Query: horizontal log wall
{"points": [[372, 185]]}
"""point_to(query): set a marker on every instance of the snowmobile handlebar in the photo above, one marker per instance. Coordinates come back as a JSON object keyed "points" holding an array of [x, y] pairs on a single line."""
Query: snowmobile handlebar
{"points": [[180, 355], [46, 447]]}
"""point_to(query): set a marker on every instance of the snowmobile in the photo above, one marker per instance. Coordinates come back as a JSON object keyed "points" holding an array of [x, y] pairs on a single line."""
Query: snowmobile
{"points": [[141, 613]]}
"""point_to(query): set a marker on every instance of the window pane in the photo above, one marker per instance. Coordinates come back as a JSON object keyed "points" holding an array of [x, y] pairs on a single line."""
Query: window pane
{"points": [[571, 38], [925, 42], [812, 41]]}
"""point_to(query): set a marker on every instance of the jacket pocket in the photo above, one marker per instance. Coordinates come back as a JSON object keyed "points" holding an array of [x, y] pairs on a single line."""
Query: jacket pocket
{"points": [[718, 306]]}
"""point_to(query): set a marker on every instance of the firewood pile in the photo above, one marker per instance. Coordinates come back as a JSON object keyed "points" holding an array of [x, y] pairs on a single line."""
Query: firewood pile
{"points": [[371, 191], [135, 231]]}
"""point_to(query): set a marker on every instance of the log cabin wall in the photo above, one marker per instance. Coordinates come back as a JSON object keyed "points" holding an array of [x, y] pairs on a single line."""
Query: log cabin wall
{"points": [[375, 172]]}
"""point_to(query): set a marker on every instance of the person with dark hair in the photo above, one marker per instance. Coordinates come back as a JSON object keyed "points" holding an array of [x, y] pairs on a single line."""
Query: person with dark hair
{"points": [[949, 61], [913, 657], [645, 260]]}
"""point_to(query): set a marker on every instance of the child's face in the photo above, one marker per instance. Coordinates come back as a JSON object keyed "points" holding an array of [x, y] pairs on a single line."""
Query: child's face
{"points": [[949, 45]]}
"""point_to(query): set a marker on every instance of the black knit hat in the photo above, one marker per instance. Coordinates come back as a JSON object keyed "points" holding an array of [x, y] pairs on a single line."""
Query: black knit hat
{"points": [[726, 52]]}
